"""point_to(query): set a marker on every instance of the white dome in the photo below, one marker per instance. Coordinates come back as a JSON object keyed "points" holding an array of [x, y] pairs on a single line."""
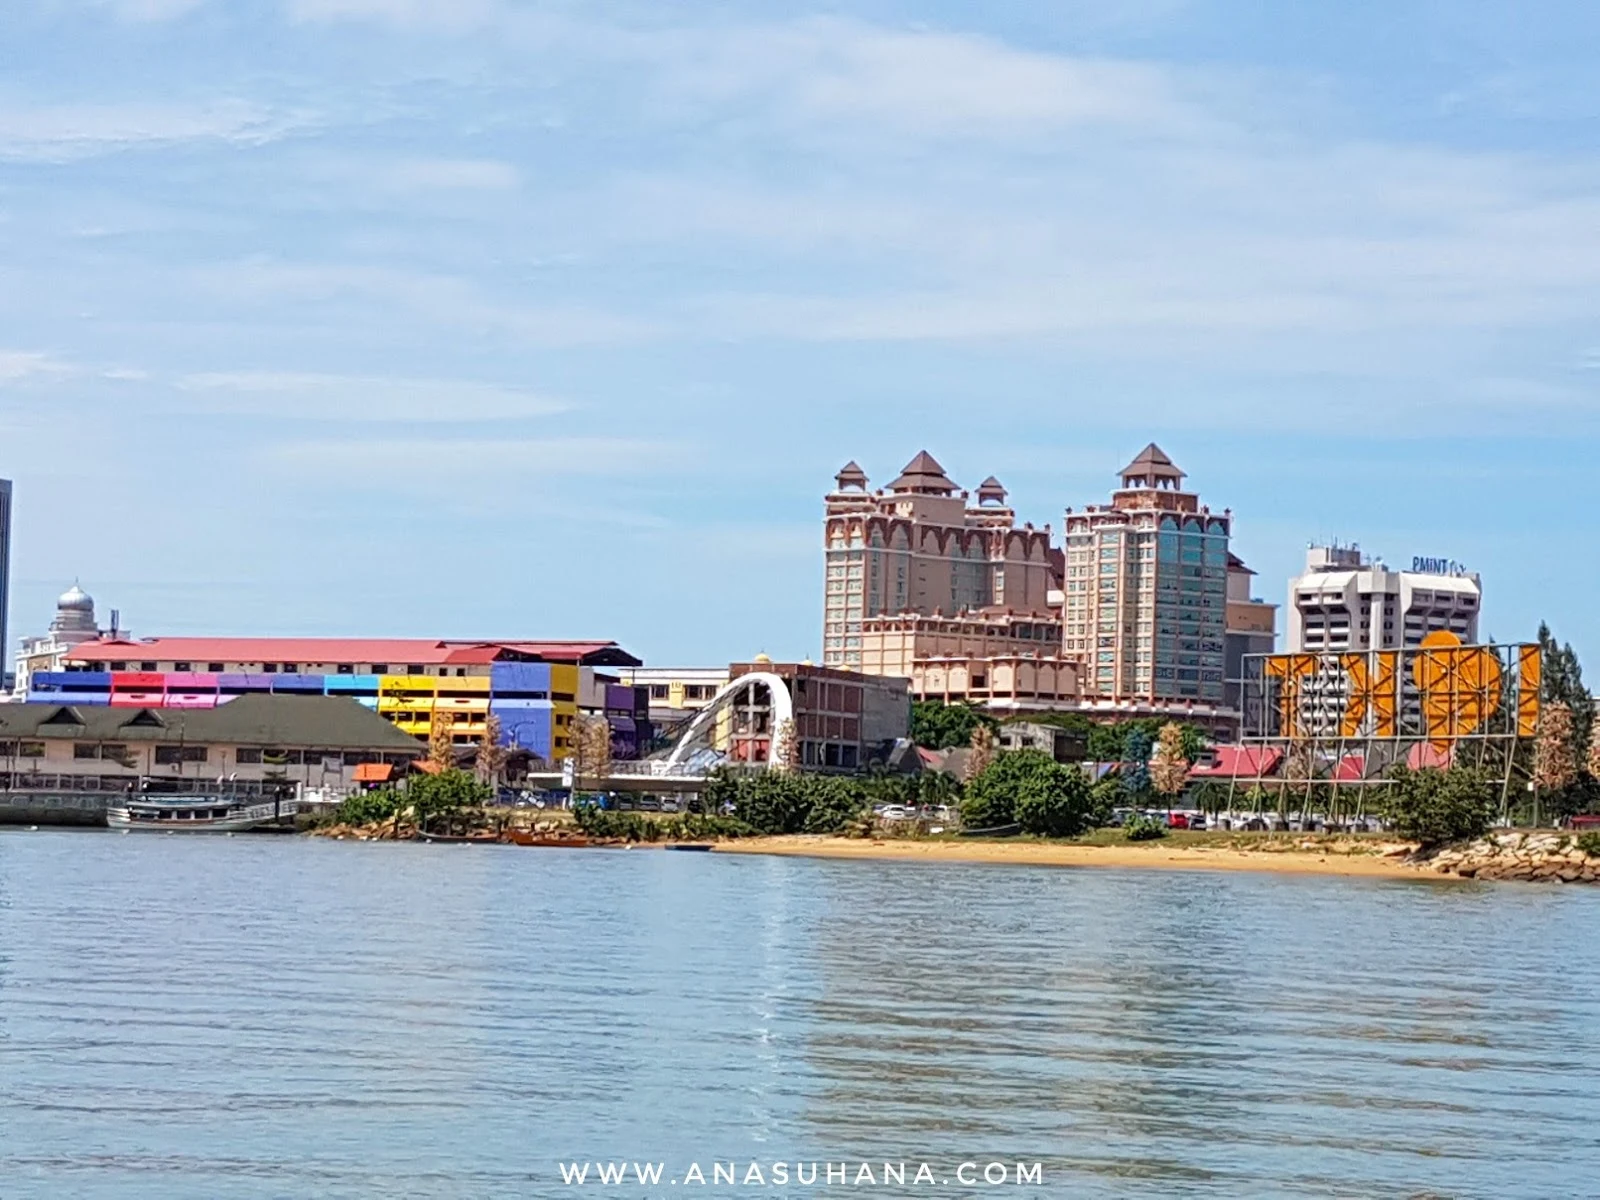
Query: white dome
{"points": [[74, 617]]}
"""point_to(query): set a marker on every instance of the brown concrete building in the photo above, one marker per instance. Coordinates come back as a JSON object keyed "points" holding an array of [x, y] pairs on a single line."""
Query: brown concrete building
{"points": [[843, 720]]}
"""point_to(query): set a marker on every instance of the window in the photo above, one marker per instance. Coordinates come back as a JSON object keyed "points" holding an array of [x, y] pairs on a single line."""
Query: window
{"points": [[183, 666], [291, 668], [346, 669], [83, 750], [380, 668], [30, 750], [415, 669], [147, 666], [174, 755], [658, 691], [216, 668], [246, 757], [269, 668]]}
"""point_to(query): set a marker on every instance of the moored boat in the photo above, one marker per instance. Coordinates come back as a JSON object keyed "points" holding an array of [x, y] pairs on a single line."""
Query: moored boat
{"points": [[526, 837], [197, 814]]}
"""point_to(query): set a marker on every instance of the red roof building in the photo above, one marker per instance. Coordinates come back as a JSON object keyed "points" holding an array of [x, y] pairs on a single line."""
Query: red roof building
{"points": [[313, 655]]}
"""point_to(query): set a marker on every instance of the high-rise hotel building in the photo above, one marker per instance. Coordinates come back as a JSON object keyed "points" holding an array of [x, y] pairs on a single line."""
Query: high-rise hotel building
{"points": [[924, 547], [1146, 590], [1344, 601]]}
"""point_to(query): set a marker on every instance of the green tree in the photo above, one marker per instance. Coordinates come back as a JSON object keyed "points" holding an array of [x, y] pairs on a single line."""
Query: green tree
{"points": [[1561, 678], [937, 726], [1433, 806], [445, 794], [1109, 743], [1137, 748], [1104, 797], [1028, 788], [777, 802]]}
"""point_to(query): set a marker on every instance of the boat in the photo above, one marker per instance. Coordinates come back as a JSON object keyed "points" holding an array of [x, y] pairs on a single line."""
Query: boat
{"points": [[688, 845], [465, 839], [197, 814], [526, 837]]}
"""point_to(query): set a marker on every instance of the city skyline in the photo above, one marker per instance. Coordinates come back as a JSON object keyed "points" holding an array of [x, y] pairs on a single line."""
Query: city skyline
{"points": [[295, 288]]}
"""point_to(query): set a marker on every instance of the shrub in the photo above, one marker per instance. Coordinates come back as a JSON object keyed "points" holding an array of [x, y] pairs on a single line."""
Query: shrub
{"points": [[1433, 806], [775, 802], [1104, 796], [599, 822], [1029, 788], [1589, 843], [1140, 828], [364, 808]]}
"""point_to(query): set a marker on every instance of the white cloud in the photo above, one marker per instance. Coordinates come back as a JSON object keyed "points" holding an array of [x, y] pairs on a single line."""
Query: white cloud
{"points": [[62, 133], [17, 365], [358, 398], [848, 74]]}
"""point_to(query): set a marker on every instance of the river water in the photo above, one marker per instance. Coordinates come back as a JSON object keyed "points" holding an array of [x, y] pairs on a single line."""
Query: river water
{"points": [[259, 1016]]}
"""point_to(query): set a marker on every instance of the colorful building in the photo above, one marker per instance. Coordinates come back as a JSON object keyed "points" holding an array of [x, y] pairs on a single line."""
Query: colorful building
{"points": [[533, 688]]}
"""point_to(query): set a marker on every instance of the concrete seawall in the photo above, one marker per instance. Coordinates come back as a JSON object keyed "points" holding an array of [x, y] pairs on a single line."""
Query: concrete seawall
{"points": [[52, 808]]}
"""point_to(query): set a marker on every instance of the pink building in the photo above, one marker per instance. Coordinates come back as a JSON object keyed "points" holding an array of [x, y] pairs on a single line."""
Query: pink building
{"points": [[924, 546], [932, 584]]}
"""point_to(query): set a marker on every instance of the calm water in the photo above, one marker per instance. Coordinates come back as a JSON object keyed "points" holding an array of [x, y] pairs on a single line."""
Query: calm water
{"points": [[258, 1016]]}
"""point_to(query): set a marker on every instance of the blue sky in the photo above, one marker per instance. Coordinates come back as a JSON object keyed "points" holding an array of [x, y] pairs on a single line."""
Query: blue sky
{"points": [[488, 318]]}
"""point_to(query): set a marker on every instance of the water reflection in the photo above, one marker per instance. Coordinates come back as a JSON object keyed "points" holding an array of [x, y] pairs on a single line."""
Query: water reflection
{"points": [[249, 1016]]}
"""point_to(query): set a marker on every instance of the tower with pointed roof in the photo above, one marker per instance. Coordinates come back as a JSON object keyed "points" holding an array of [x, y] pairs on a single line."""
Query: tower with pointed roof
{"points": [[1145, 593], [924, 546]]}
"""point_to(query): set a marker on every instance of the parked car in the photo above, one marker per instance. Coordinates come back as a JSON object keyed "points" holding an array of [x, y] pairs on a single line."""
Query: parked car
{"points": [[648, 804], [669, 806]]}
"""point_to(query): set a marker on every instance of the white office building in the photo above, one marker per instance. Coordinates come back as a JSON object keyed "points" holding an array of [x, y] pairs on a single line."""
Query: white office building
{"points": [[1346, 602]]}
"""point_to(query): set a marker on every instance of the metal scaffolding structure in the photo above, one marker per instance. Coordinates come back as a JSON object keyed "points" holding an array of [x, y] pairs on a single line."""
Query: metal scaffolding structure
{"points": [[1324, 731]]}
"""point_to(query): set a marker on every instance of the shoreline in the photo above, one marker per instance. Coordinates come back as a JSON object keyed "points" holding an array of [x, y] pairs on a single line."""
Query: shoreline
{"points": [[1327, 860]]}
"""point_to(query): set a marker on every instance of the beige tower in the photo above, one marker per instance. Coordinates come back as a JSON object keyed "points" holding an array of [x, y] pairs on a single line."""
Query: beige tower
{"points": [[1145, 595]]}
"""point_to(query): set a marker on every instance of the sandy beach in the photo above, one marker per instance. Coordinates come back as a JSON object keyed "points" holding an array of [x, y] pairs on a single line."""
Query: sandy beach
{"points": [[1330, 859]]}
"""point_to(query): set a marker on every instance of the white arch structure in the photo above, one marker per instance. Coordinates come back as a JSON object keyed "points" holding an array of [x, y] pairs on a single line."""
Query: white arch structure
{"points": [[727, 694]]}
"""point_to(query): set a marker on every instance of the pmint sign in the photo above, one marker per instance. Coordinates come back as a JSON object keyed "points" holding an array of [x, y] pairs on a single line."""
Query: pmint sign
{"points": [[1437, 566]]}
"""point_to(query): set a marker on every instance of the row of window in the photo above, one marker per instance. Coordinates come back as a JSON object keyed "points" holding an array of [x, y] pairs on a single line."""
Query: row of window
{"points": [[273, 668]]}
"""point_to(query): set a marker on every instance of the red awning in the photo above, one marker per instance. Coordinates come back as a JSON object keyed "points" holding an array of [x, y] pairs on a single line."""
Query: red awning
{"points": [[373, 772], [1426, 754], [1352, 768], [1238, 762]]}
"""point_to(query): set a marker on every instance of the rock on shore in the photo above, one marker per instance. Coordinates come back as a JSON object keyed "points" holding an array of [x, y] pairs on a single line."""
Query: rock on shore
{"points": [[1545, 857]]}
